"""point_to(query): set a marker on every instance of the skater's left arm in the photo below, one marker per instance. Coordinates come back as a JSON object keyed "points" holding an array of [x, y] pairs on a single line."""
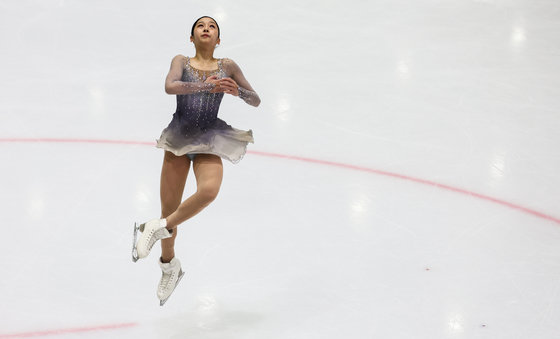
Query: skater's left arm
{"points": [[237, 85]]}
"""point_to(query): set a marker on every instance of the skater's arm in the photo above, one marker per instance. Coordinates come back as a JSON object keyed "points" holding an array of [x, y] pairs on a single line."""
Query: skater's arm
{"points": [[244, 89], [174, 85]]}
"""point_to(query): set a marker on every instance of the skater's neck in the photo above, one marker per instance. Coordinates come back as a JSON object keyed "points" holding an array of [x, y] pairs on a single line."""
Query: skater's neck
{"points": [[204, 56]]}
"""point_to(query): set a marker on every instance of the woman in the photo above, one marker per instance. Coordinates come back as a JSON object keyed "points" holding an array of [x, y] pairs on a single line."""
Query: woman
{"points": [[195, 136]]}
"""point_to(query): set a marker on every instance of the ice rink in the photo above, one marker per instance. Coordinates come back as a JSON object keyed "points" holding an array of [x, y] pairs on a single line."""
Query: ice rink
{"points": [[404, 181]]}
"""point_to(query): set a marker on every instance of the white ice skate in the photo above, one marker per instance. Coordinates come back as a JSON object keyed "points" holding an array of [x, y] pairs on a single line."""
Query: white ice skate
{"points": [[152, 231], [171, 274]]}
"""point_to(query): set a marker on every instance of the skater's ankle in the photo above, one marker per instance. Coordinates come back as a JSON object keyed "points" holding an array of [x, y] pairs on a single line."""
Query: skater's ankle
{"points": [[166, 260], [170, 223]]}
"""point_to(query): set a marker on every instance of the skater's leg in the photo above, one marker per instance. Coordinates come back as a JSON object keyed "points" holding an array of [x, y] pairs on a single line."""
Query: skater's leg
{"points": [[208, 170], [174, 173]]}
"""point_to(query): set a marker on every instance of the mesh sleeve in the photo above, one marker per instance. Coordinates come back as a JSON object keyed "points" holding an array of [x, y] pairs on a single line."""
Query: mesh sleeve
{"points": [[246, 92]]}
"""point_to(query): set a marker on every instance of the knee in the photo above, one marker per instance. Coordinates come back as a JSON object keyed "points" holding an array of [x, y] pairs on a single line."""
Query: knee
{"points": [[208, 193]]}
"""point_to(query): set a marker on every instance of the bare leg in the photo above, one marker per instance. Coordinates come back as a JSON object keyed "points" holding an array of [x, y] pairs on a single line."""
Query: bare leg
{"points": [[208, 170], [173, 177]]}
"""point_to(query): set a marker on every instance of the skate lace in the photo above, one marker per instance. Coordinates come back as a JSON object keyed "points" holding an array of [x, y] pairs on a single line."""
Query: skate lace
{"points": [[152, 238], [165, 279]]}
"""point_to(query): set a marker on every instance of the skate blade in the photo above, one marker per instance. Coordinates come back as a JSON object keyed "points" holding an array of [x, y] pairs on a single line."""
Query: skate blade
{"points": [[134, 239], [162, 302]]}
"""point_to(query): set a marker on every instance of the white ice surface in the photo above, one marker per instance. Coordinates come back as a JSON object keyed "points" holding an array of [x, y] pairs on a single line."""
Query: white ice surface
{"points": [[460, 93]]}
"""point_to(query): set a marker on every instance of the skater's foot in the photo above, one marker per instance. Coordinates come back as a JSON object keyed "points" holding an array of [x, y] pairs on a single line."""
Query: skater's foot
{"points": [[152, 231], [171, 274]]}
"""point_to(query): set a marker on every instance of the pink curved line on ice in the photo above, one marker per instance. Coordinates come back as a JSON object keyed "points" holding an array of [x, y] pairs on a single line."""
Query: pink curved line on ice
{"points": [[68, 331], [314, 161]]}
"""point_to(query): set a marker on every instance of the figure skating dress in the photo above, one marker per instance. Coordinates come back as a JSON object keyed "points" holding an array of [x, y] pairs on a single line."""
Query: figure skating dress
{"points": [[196, 128]]}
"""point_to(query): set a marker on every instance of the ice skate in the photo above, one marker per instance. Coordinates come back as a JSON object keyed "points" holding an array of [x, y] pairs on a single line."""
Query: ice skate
{"points": [[171, 274], [152, 231]]}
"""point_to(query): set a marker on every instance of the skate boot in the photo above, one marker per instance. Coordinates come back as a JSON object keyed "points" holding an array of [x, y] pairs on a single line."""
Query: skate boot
{"points": [[171, 274], [152, 231]]}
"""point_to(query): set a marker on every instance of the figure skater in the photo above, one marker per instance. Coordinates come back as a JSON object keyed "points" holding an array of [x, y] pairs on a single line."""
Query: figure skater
{"points": [[195, 136]]}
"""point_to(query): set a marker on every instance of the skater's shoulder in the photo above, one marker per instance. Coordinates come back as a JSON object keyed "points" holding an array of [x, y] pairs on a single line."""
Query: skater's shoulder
{"points": [[179, 58], [230, 65], [227, 62]]}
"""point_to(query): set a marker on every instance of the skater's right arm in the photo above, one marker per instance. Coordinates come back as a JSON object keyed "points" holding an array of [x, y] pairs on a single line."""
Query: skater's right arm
{"points": [[174, 85]]}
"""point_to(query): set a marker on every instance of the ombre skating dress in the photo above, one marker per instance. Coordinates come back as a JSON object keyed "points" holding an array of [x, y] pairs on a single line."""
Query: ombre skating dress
{"points": [[196, 128]]}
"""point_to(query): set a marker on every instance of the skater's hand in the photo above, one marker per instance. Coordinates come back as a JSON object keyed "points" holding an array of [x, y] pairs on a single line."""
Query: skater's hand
{"points": [[216, 82], [229, 86]]}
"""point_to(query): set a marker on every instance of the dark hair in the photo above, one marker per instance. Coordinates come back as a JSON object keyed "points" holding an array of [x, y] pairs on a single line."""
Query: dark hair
{"points": [[206, 16]]}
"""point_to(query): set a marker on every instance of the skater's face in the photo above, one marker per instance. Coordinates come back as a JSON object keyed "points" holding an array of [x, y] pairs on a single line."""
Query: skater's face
{"points": [[206, 31]]}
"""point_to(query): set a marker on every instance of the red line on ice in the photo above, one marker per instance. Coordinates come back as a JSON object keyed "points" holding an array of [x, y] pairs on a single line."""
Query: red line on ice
{"points": [[67, 331], [315, 161]]}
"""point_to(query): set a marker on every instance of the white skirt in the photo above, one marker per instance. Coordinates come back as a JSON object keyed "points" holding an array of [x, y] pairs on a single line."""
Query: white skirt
{"points": [[219, 139]]}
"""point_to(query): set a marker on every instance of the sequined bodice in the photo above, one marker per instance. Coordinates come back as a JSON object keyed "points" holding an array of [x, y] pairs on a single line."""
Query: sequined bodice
{"points": [[198, 110]]}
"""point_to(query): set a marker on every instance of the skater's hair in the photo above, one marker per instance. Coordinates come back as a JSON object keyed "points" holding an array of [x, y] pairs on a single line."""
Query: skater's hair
{"points": [[202, 17]]}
